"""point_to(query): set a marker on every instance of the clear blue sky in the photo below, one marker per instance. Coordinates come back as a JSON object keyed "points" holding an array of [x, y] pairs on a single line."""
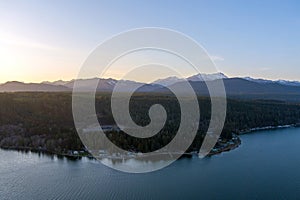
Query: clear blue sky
{"points": [[49, 40]]}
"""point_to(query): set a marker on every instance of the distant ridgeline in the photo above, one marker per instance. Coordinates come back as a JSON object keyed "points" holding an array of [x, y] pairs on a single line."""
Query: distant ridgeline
{"points": [[44, 121], [238, 88]]}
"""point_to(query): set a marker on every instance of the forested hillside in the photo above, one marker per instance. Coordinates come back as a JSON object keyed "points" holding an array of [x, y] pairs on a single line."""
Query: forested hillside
{"points": [[44, 121]]}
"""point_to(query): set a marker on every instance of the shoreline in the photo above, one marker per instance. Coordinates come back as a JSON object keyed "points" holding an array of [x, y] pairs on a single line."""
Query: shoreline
{"points": [[251, 130], [229, 145], [47, 152]]}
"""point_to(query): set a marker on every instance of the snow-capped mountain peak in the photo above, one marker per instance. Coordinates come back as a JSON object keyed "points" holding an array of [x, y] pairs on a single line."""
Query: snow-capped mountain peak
{"points": [[168, 81], [280, 81], [291, 83], [258, 80], [207, 77], [59, 82], [198, 77]]}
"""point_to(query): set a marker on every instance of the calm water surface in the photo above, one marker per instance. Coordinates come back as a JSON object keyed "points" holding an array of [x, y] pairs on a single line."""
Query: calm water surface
{"points": [[265, 166]]}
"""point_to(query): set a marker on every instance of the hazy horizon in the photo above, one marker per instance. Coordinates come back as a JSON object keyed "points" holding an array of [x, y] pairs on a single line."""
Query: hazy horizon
{"points": [[164, 77], [42, 42]]}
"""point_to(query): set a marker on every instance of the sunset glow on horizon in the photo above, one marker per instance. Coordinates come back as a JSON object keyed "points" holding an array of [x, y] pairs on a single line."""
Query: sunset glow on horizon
{"points": [[42, 42]]}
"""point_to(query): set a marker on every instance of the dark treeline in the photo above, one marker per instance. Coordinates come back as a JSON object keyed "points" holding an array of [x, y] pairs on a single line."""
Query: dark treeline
{"points": [[44, 121]]}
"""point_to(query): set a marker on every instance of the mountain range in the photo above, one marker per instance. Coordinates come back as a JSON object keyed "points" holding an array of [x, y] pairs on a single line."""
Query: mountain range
{"points": [[245, 87]]}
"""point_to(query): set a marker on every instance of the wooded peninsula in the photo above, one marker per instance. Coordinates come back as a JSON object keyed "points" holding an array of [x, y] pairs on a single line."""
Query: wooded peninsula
{"points": [[43, 121]]}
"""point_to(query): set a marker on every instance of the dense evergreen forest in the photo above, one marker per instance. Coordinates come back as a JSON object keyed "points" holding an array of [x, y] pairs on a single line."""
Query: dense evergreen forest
{"points": [[44, 121]]}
